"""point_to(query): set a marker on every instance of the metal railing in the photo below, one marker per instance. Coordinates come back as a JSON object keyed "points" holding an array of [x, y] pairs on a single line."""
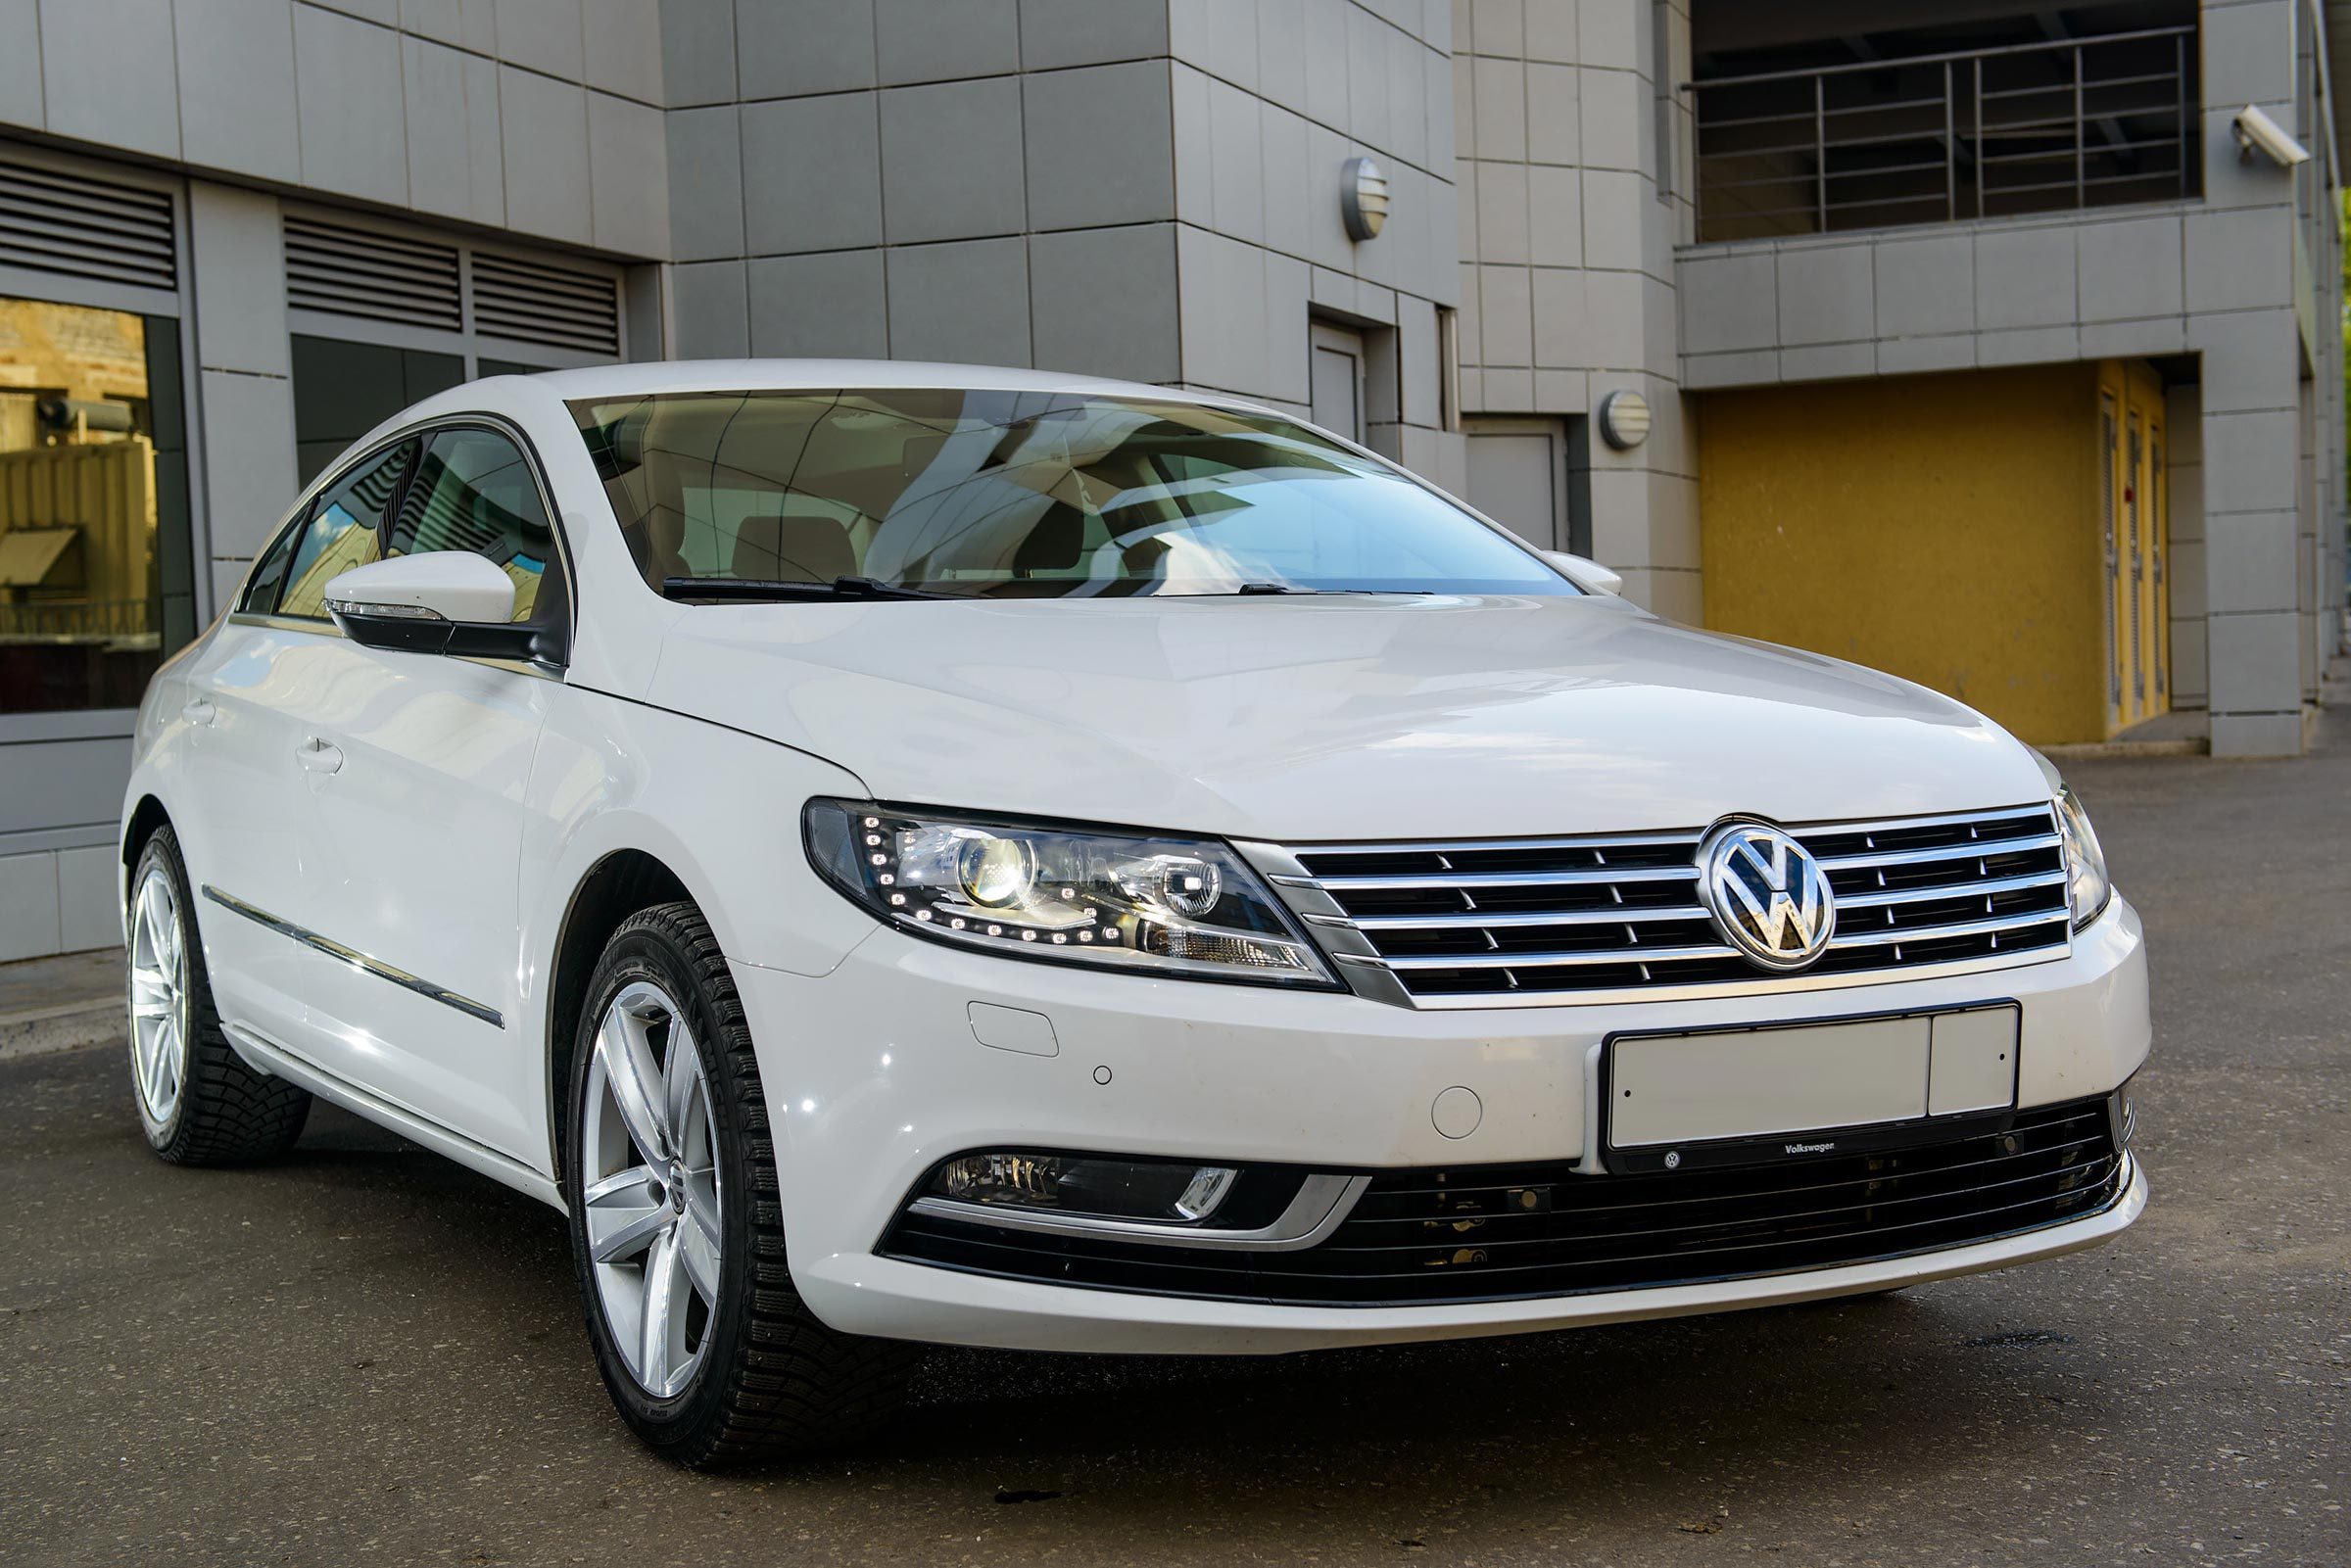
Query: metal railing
{"points": [[75, 621], [1937, 138]]}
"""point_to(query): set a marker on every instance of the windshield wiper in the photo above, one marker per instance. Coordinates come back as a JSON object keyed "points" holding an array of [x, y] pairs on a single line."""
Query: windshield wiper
{"points": [[1253, 590], [754, 588]]}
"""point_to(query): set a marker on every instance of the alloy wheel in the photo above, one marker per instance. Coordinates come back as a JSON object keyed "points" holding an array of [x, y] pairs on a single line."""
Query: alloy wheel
{"points": [[159, 997], [652, 1197]]}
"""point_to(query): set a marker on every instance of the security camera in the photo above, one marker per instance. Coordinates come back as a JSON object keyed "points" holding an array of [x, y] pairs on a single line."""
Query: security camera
{"points": [[2255, 130]]}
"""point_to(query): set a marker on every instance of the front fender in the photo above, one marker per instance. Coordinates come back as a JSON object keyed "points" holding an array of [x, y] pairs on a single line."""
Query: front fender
{"points": [[719, 808]]}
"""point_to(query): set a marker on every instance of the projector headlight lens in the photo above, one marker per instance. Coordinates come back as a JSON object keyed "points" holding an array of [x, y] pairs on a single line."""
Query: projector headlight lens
{"points": [[994, 872], [1083, 895], [2087, 886]]}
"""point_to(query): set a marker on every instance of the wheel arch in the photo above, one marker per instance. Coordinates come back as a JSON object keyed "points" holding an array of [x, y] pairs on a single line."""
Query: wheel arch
{"points": [[618, 885], [138, 827]]}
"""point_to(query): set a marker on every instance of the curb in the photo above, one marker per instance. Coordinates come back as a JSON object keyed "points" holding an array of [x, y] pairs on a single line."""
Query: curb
{"points": [[2190, 746], [68, 1026]]}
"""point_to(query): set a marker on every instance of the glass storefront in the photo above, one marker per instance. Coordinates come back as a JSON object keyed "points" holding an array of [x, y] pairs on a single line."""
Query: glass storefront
{"points": [[96, 571]]}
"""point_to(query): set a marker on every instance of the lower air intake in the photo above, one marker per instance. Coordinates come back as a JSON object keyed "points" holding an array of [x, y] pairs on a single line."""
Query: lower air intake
{"points": [[1498, 1232]]}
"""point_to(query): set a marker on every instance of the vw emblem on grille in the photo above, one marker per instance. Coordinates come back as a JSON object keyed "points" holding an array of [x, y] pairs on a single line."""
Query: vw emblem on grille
{"points": [[1768, 896]]}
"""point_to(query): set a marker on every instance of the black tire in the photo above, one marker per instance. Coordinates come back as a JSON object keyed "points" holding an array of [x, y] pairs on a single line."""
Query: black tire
{"points": [[226, 1113], [771, 1380]]}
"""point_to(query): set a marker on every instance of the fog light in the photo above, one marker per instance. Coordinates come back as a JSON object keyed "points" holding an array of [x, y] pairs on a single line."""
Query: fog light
{"points": [[2122, 1115], [1118, 1189]]}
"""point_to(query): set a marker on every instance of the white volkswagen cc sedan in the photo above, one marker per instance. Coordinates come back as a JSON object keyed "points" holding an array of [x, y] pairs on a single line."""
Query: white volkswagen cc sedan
{"points": [[906, 853]]}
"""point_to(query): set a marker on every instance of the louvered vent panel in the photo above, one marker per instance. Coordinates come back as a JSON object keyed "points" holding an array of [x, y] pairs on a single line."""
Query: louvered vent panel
{"points": [[535, 303], [86, 227], [356, 271]]}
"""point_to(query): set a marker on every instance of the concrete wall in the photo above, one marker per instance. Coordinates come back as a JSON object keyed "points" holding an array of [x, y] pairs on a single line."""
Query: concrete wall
{"points": [[1117, 187], [538, 116], [1272, 98], [1570, 211]]}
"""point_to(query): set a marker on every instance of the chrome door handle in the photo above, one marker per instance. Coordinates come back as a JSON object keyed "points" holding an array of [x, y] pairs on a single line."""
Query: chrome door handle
{"points": [[200, 711], [317, 755]]}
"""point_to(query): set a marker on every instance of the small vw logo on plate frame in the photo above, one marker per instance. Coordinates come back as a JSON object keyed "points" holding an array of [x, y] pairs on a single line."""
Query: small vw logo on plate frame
{"points": [[1768, 896]]}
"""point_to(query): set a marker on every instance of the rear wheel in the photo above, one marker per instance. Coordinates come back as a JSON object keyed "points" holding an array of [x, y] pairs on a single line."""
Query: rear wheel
{"points": [[199, 1103], [677, 1234]]}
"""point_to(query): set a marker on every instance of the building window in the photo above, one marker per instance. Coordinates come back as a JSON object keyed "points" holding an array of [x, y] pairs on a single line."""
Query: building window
{"points": [[343, 390], [96, 572]]}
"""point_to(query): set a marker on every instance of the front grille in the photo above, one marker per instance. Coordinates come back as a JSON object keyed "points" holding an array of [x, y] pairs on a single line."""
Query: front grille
{"points": [[1502, 1232], [1542, 917]]}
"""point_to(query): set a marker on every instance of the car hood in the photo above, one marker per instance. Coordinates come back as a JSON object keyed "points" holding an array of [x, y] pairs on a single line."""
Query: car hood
{"points": [[1334, 717]]}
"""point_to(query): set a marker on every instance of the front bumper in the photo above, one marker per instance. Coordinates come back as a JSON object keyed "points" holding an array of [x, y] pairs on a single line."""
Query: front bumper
{"points": [[909, 1301], [874, 1074]]}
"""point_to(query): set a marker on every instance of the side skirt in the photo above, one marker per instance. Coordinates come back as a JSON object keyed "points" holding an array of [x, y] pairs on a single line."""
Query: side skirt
{"points": [[265, 1055]]}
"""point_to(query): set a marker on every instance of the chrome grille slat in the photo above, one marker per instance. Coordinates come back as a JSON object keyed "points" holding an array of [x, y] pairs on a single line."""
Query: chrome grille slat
{"points": [[1977, 850], [1612, 915], [1878, 898], [1437, 881], [1931, 934], [1612, 955], [1480, 846], [1435, 922]]}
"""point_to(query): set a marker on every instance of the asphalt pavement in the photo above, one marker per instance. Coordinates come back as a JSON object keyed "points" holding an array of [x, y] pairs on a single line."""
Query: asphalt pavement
{"points": [[364, 1353]]}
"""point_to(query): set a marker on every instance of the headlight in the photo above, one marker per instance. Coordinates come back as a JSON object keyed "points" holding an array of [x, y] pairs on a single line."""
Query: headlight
{"points": [[1178, 906], [2086, 886]]}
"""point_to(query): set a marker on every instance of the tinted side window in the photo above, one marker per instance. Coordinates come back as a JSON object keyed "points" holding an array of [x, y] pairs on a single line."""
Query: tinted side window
{"points": [[474, 490], [343, 530], [269, 578]]}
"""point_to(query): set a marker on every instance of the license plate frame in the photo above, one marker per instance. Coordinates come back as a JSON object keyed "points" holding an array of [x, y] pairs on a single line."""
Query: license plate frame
{"points": [[1620, 1074]]}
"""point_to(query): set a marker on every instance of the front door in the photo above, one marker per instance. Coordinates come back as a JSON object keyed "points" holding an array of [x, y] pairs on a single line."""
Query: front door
{"points": [[413, 838]]}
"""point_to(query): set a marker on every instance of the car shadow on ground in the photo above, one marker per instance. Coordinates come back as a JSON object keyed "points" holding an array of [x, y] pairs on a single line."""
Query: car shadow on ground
{"points": [[1618, 1412]]}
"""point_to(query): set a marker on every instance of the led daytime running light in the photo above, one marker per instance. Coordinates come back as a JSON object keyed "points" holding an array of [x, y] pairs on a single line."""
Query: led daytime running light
{"points": [[1085, 895]]}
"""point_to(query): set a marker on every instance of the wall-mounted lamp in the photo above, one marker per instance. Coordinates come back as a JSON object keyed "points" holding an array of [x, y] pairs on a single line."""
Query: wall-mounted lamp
{"points": [[1624, 419], [2256, 130], [1363, 198]]}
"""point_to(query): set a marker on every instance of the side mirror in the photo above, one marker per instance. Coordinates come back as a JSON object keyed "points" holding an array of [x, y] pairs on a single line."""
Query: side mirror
{"points": [[440, 602], [1581, 570]]}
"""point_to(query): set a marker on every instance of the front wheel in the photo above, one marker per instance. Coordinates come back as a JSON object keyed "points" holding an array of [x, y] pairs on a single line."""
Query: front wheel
{"points": [[676, 1231]]}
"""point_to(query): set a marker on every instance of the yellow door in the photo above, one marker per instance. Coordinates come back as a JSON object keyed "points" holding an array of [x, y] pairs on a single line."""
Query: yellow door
{"points": [[2133, 529]]}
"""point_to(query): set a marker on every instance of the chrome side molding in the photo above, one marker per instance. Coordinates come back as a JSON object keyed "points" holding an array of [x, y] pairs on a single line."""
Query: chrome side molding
{"points": [[355, 958]]}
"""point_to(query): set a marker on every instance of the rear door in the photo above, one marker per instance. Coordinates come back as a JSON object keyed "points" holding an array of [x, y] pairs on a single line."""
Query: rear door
{"points": [[413, 836]]}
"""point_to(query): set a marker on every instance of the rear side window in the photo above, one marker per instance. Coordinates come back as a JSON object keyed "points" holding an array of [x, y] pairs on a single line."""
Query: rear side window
{"points": [[343, 530], [474, 490], [270, 577]]}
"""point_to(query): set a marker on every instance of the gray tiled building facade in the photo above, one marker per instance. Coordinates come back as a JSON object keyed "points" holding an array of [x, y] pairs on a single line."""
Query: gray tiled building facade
{"points": [[278, 220]]}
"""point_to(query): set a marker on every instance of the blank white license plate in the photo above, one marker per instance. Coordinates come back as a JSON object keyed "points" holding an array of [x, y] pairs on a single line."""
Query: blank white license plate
{"points": [[1856, 1072]]}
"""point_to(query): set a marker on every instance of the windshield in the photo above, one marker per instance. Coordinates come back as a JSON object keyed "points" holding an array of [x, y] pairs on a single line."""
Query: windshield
{"points": [[1022, 495]]}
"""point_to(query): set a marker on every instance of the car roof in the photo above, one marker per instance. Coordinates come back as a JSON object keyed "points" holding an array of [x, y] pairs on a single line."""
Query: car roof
{"points": [[543, 393], [795, 375]]}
